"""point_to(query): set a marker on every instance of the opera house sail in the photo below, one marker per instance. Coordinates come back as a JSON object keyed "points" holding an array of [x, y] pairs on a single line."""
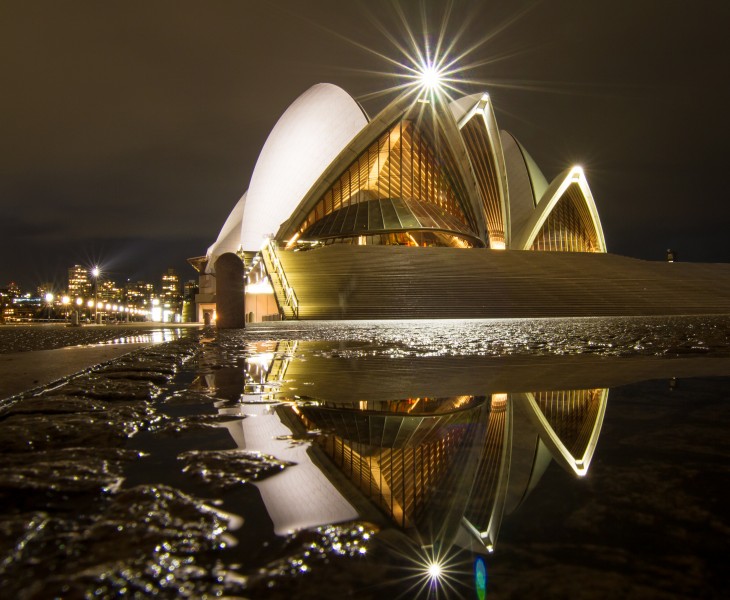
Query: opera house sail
{"points": [[428, 210]]}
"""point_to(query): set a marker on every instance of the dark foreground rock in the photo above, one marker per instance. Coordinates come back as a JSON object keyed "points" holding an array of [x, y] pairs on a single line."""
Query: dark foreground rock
{"points": [[142, 542], [228, 468]]}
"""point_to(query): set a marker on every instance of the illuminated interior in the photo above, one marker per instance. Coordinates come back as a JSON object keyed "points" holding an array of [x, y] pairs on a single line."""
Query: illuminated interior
{"points": [[396, 460], [485, 154], [569, 227], [570, 423], [429, 462], [399, 184]]}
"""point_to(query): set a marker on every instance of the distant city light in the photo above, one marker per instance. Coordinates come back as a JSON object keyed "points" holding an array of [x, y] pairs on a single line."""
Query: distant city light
{"points": [[49, 297], [79, 301], [65, 300], [95, 272]]}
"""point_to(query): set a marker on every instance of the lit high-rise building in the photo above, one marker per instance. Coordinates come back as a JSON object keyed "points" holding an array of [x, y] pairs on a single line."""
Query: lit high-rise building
{"points": [[79, 284], [109, 291], [171, 298], [138, 293]]}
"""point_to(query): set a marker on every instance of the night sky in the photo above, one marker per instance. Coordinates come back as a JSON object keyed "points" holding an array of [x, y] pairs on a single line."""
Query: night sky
{"points": [[130, 128]]}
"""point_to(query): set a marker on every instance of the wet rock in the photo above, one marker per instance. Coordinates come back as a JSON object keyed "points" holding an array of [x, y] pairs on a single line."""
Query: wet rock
{"points": [[162, 575], [138, 375], [65, 471], [52, 405], [16, 531], [308, 548], [189, 422], [155, 515], [93, 429], [174, 353], [228, 468], [188, 397], [131, 365], [142, 542], [97, 386], [26, 433]]}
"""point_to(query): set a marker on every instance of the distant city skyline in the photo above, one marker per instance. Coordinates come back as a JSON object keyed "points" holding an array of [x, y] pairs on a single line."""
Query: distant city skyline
{"points": [[88, 294], [121, 261], [75, 286]]}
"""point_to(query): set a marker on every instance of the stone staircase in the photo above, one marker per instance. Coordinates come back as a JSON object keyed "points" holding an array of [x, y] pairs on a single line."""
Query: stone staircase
{"points": [[396, 282]]}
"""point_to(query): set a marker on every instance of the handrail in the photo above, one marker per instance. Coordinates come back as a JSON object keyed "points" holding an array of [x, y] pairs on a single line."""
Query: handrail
{"points": [[290, 297]]}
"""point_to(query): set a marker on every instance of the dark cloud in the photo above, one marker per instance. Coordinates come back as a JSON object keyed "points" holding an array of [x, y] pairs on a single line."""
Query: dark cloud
{"points": [[143, 120]]}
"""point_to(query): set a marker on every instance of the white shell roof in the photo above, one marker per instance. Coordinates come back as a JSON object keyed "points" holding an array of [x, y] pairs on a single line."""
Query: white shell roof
{"points": [[229, 239], [463, 105], [307, 138]]}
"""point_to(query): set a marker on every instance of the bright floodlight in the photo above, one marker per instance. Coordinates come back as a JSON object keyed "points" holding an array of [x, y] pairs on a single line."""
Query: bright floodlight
{"points": [[430, 77], [95, 271], [434, 570], [49, 297]]}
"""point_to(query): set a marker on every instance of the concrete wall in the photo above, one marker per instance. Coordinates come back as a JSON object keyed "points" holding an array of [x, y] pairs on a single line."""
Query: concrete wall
{"points": [[260, 305]]}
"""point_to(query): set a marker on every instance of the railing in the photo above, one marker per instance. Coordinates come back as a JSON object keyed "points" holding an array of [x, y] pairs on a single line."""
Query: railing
{"points": [[271, 256]]}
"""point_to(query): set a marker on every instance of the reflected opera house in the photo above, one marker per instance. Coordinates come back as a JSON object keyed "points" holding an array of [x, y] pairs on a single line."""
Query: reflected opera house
{"points": [[444, 469], [427, 210]]}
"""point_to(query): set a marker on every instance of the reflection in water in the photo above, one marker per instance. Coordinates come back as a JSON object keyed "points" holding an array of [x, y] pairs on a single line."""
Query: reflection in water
{"points": [[569, 422], [154, 336], [445, 470], [443, 474]]}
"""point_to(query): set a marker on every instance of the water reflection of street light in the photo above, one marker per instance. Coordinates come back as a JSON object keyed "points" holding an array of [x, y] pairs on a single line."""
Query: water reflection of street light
{"points": [[156, 312], [65, 301], [95, 272], [49, 301], [79, 303]]}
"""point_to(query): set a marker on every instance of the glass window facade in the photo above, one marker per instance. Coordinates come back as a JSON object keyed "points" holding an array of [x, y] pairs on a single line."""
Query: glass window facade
{"points": [[386, 219], [476, 138], [572, 416], [398, 461], [399, 183], [569, 227]]}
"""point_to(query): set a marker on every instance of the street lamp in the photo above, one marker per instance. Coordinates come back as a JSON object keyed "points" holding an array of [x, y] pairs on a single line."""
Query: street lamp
{"points": [[95, 272]]}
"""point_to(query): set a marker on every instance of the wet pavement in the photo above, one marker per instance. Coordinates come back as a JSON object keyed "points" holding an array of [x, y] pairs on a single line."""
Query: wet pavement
{"points": [[373, 460], [39, 354], [41, 336]]}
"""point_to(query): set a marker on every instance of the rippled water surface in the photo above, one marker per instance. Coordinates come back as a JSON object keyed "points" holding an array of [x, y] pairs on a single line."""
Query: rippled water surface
{"points": [[535, 458]]}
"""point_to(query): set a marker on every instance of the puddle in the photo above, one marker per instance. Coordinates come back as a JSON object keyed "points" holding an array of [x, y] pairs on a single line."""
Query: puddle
{"points": [[370, 461]]}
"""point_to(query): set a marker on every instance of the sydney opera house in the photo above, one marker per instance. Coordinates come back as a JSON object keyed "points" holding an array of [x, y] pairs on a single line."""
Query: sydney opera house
{"points": [[426, 210]]}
